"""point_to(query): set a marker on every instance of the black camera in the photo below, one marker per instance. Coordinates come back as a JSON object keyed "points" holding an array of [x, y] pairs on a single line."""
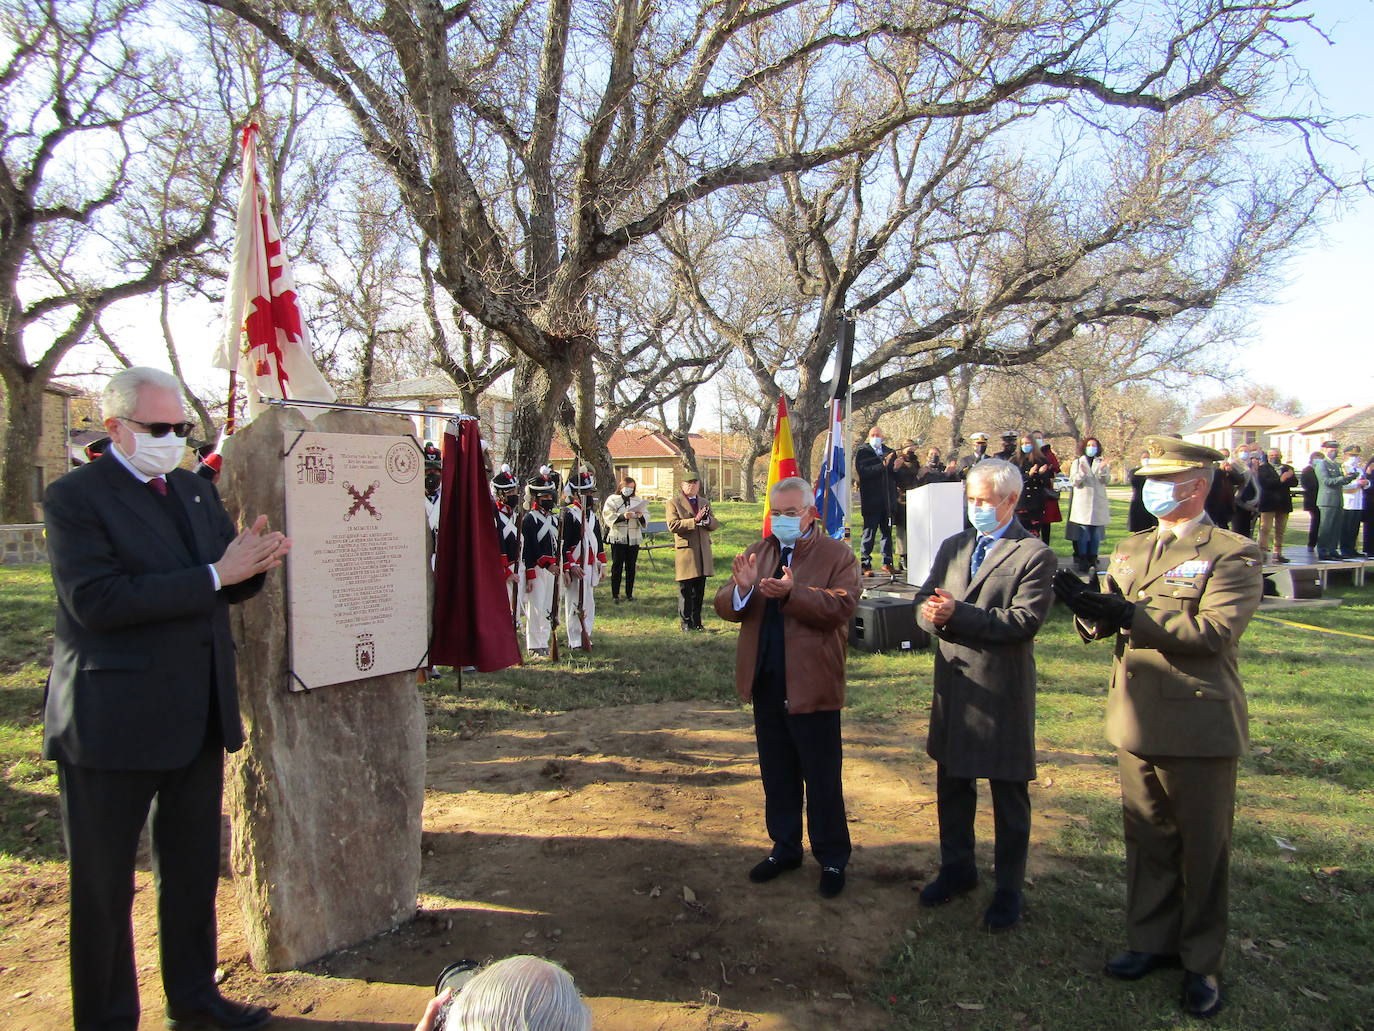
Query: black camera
{"points": [[455, 976]]}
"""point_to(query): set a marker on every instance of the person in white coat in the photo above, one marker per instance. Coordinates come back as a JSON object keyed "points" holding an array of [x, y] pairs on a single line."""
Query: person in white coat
{"points": [[1089, 511]]}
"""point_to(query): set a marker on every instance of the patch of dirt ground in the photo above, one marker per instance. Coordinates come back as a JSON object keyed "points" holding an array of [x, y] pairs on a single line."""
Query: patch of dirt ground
{"points": [[614, 841]]}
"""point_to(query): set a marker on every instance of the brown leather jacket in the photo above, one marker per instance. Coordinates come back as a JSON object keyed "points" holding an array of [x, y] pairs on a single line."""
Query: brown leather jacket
{"points": [[815, 620]]}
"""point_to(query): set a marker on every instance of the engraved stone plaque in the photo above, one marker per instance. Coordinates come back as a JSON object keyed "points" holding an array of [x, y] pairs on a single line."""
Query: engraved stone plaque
{"points": [[356, 574]]}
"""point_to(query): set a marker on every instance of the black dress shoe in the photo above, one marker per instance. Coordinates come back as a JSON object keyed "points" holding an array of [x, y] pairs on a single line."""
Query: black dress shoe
{"points": [[1201, 994], [1005, 911], [1131, 966], [832, 881], [947, 885], [772, 867], [217, 1012]]}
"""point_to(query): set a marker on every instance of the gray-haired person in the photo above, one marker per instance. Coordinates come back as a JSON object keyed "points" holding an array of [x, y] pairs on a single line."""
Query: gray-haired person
{"points": [[986, 597], [519, 993]]}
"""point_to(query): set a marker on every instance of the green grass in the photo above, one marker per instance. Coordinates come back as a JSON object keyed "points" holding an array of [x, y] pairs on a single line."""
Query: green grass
{"points": [[1302, 921]]}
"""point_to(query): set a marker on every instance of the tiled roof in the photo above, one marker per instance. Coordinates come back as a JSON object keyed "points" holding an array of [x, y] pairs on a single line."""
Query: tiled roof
{"points": [[644, 443], [1246, 415], [1330, 419]]}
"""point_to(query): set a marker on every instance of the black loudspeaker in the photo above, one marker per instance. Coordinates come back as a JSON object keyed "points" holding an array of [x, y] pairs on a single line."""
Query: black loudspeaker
{"points": [[1293, 583], [886, 624]]}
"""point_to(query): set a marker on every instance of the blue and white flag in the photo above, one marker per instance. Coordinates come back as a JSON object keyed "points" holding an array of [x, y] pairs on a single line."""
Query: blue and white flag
{"points": [[830, 485]]}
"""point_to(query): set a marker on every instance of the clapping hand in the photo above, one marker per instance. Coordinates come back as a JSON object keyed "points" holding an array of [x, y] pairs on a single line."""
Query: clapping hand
{"points": [[745, 570], [1087, 601], [938, 609], [252, 552], [777, 587]]}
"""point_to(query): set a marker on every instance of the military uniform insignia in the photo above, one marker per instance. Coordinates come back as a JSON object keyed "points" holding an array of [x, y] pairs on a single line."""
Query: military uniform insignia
{"points": [[1189, 570]]}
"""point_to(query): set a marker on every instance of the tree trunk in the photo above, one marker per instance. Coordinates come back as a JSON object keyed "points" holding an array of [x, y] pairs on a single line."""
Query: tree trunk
{"points": [[590, 440], [538, 392], [23, 427], [746, 469]]}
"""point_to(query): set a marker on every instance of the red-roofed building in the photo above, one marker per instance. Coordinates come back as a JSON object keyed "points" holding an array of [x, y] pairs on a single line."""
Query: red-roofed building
{"points": [[1346, 424], [1248, 424], [654, 462]]}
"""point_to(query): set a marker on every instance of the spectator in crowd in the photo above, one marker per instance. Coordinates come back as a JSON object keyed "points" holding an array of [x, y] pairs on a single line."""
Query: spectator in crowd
{"points": [[936, 471], [691, 523], [519, 993], [906, 474], [1177, 603], [793, 594], [1052, 512], [1089, 511], [1307, 479], [625, 515], [1138, 517], [1276, 502], [1037, 481], [877, 497], [1352, 502], [987, 594], [1008, 452], [1331, 480], [1247, 495], [1368, 516], [1221, 496], [980, 451]]}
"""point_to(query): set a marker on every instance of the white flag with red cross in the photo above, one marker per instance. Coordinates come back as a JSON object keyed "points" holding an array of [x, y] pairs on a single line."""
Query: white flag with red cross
{"points": [[265, 341]]}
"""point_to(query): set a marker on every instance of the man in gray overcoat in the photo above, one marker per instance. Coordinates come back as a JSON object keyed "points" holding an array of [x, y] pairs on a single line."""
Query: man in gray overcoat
{"points": [[987, 594]]}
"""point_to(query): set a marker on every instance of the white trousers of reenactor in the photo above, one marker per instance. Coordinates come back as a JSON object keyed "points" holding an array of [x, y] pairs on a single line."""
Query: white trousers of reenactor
{"points": [[576, 596], [537, 598]]}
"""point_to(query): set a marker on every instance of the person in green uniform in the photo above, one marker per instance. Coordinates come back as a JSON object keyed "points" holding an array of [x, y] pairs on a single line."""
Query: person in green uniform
{"points": [[1178, 599]]}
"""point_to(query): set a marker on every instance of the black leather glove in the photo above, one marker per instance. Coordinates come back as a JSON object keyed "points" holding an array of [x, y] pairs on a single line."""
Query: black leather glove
{"points": [[1105, 609], [1069, 588]]}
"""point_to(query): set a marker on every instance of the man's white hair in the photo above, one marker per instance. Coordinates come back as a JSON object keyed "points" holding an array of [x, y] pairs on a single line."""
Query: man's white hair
{"points": [[792, 483], [998, 474], [120, 396], [520, 993]]}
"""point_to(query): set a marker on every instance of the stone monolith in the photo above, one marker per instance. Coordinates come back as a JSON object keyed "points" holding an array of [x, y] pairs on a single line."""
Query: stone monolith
{"points": [[325, 798]]}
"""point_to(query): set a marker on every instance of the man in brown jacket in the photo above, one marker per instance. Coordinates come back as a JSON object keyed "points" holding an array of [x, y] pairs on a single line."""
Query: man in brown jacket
{"points": [[793, 594], [691, 523]]}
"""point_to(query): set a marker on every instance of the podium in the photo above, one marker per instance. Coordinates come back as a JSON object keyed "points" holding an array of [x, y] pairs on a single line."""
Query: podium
{"points": [[933, 513]]}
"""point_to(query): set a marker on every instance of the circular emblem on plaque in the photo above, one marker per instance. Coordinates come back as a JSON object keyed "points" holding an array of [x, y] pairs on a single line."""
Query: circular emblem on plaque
{"points": [[402, 462]]}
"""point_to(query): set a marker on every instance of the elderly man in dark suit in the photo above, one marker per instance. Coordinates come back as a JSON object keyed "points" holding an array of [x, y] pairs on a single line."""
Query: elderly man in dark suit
{"points": [[987, 594], [1179, 598], [142, 703], [793, 594]]}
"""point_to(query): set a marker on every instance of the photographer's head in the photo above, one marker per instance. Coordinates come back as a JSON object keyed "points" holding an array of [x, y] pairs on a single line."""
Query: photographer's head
{"points": [[520, 993]]}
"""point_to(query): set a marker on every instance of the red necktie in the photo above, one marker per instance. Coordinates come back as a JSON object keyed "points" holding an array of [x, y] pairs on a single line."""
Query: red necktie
{"points": [[158, 485]]}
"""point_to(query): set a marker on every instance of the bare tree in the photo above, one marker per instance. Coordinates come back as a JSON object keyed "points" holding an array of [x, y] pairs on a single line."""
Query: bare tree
{"points": [[87, 119]]}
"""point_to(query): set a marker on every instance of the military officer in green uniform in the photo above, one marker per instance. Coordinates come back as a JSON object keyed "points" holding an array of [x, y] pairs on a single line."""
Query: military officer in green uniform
{"points": [[1179, 597], [1331, 477]]}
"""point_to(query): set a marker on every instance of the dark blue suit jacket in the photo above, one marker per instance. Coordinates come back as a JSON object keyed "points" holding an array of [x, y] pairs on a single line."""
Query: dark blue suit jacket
{"points": [[142, 647]]}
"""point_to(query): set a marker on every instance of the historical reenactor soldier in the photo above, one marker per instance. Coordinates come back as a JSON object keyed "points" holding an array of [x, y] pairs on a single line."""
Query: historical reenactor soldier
{"points": [[505, 491], [980, 452], [1179, 599], [584, 558], [539, 562], [691, 523]]}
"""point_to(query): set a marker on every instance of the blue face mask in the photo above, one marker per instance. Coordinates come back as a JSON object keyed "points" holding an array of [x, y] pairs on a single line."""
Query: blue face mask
{"points": [[1090, 450], [1026, 449], [983, 517], [1158, 498], [786, 529]]}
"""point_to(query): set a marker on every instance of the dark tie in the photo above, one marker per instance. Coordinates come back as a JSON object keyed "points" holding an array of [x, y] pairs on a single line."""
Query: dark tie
{"points": [[783, 562], [979, 553], [1162, 539], [158, 485]]}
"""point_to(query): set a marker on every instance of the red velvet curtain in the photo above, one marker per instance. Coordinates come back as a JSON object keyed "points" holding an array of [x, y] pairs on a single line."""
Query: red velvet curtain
{"points": [[472, 623]]}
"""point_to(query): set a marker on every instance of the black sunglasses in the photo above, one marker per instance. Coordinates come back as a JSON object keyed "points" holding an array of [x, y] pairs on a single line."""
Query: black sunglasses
{"points": [[161, 429]]}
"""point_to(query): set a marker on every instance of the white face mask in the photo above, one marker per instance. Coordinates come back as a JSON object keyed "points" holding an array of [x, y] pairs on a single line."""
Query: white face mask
{"points": [[629, 492], [157, 456], [877, 442]]}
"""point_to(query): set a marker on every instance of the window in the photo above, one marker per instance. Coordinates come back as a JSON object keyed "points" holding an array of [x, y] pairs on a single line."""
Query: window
{"points": [[648, 476], [1251, 436], [38, 483]]}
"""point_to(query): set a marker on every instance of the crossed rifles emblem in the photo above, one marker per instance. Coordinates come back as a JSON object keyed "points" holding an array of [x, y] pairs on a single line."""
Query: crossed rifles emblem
{"points": [[361, 501]]}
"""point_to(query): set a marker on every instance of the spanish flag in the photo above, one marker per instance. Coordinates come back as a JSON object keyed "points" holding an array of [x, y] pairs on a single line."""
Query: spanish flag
{"points": [[783, 462]]}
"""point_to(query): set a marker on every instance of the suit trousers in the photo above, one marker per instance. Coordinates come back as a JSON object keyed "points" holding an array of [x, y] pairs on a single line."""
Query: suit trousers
{"points": [[1350, 531], [1313, 527], [871, 530], [1272, 527], [800, 759], [1329, 533], [1177, 814], [956, 800], [103, 813], [690, 593]]}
